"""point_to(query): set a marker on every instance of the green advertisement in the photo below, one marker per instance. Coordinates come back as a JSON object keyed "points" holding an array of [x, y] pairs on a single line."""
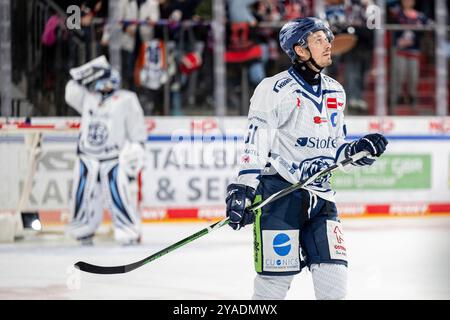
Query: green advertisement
{"points": [[396, 172]]}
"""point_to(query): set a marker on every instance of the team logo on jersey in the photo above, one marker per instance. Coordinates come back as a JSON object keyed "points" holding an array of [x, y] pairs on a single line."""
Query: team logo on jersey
{"points": [[97, 133], [310, 167], [280, 84], [316, 143]]}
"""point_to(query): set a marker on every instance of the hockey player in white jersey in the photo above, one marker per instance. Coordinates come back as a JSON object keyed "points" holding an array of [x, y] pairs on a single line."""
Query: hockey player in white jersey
{"points": [[110, 153], [296, 128]]}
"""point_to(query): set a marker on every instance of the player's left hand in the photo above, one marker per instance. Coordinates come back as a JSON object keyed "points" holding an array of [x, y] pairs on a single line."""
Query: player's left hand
{"points": [[374, 143]]}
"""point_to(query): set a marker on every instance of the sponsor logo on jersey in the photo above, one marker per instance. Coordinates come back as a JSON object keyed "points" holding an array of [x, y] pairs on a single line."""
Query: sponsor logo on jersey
{"points": [[317, 143], [281, 244], [280, 84], [283, 254], [335, 103], [336, 243], [339, 235], [331, 103], [333, 119], [320, 120]]}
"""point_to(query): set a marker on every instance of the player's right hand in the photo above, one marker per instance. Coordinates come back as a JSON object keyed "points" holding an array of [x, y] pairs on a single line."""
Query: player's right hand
{"points": [[239, 198]]}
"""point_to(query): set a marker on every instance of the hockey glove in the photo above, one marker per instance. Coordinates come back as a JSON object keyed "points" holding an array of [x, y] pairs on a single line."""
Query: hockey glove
{"points": [[90, 71], [239, 197], [374, 143], [132, 158]]}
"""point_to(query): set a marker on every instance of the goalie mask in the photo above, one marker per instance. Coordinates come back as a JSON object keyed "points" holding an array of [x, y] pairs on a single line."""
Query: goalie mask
{"points": [[108, 82]]}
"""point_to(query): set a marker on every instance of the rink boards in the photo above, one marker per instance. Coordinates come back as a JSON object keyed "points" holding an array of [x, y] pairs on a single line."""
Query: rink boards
{"points": [[191, 160]]}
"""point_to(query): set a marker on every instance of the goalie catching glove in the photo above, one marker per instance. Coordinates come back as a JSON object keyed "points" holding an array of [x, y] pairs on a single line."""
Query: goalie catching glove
{"points": [[131, 159], [239, 198]]}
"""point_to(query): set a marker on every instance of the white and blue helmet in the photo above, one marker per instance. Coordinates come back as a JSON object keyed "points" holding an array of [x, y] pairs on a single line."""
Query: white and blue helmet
{"points": [[296, 32], [109, 81]]}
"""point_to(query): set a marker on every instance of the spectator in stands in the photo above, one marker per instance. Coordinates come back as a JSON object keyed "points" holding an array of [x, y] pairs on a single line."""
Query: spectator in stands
{"points": [[128, 14], [407, 53], [291, 9], [133, 14], [336, 18], [149, 16], [148, 12], [180, 15], [89, 10], [358, 61], [241, 11]]}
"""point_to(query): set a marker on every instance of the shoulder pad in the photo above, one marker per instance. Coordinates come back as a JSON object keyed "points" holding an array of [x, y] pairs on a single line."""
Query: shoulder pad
{"points": [[332, 81]]}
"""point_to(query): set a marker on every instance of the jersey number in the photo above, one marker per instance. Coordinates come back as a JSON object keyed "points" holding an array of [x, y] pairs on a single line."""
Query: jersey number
{"points": [[251, 134]]}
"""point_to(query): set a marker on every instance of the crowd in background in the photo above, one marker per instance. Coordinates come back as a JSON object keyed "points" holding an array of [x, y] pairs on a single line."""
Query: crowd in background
{"points": [[166, 49]]}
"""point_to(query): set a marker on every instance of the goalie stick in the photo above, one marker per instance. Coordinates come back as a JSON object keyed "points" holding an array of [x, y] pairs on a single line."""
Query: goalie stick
{"points": [[87, 267]]}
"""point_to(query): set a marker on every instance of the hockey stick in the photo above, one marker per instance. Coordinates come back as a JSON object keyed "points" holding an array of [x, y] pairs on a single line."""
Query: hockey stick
{"points": [[87, 267], [33, 143]]}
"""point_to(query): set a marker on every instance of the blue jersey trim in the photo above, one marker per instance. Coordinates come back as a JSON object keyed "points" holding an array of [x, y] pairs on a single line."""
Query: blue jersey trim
{"points": [[249, 171], [305, 84], [318, 105]]}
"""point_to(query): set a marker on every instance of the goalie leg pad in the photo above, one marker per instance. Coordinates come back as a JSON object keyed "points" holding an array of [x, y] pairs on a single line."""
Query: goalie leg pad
{"points": [[271, 287], [330, 281], [123, 201], [86, 207]]}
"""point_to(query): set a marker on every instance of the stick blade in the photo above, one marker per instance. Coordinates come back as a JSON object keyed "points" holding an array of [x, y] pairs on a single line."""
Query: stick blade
{"points": [[87, 267]]}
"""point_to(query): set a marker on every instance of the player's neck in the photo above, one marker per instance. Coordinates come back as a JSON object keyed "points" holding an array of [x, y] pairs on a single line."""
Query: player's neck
{"points": [[307, 73]]}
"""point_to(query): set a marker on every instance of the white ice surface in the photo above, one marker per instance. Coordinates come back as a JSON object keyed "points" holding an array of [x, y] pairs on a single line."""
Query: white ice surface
{"points": [[390, 258]]}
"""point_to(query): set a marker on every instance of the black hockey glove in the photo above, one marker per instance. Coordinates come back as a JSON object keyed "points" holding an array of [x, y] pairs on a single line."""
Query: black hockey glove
{"points": [[374, 143], [239, 197]]}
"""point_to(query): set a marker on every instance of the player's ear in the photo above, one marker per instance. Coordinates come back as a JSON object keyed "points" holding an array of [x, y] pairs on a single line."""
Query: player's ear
{"points": [[301, 52]]}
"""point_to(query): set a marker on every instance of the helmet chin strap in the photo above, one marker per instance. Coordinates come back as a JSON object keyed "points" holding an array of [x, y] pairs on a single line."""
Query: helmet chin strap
{"points": [[312, 61], [308, 69]]}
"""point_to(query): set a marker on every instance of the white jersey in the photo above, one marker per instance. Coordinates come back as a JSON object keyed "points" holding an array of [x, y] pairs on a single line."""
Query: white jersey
{"points": [[106, 125], [294, 129]]}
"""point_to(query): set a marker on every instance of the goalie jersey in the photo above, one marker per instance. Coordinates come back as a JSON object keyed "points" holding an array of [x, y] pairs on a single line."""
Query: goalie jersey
{"points": [[294, 129], [106, 124]]}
